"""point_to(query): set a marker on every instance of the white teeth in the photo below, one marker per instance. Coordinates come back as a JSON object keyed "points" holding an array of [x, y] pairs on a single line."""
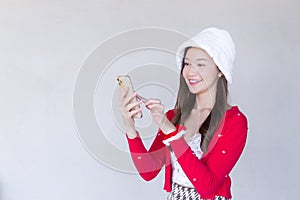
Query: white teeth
{"points": [[194, 81]]}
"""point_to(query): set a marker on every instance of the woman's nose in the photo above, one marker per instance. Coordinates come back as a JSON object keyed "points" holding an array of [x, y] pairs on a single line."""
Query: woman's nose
{"points": [[193, 69]]}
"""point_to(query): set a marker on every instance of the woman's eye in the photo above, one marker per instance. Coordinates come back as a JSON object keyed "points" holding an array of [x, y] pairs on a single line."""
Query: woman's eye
{"points": [[198, 65]]}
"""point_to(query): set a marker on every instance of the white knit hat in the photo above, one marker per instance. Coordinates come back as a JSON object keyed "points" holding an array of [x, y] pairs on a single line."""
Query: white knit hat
{"points": [[218, 44]]}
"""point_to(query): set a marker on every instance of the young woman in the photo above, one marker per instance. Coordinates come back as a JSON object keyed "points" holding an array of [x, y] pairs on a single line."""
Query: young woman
{"points": [[202, 138]]}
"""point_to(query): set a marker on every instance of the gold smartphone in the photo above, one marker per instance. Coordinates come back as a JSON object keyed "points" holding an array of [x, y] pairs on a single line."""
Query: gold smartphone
{"points": [[125, 81]]}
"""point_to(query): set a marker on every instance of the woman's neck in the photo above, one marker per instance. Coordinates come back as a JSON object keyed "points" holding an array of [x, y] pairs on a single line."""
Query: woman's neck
{"points": [[205, 100]]}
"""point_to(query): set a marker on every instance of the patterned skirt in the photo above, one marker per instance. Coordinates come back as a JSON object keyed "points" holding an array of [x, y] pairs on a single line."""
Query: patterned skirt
{"points": [[180, 192]]}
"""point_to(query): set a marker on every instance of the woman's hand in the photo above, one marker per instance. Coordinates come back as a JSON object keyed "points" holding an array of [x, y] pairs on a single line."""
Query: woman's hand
{"points": [[157, 110], [127, 111]]}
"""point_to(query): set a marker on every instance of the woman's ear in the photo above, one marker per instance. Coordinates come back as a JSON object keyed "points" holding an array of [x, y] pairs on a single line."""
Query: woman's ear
{"points": [[220, 74]]}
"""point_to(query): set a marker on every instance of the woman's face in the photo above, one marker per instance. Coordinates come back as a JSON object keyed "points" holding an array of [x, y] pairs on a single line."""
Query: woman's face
{"points": [[200, 72]]}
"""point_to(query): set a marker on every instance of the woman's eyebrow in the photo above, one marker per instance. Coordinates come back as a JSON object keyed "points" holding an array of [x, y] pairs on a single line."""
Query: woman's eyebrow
{"points": [[197, 59]]}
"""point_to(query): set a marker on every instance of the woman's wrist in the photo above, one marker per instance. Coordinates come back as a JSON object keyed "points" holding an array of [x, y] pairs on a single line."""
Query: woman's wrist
{"points": [[131, 133], [175, 135], [166, 126], [131, 136]]}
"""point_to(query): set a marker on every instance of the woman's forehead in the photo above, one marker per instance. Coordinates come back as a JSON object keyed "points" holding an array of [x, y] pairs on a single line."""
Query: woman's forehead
{"points": [[196, 54]]}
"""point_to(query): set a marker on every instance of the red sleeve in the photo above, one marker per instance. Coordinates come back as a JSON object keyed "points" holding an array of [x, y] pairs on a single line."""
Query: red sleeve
{"points": [[149, 162], [208, 173]]}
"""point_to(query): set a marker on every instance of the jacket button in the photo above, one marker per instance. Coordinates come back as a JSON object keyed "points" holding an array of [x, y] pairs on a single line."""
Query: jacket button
{"points": [[139, 157]]}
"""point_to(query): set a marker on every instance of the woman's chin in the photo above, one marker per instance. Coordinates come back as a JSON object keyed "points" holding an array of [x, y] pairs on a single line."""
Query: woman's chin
{"points": [[196, 90]]}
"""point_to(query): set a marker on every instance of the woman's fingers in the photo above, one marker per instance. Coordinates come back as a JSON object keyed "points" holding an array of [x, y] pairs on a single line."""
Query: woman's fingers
{"points": [[127, 106], [132, 97], [152, 101], [126, 99], [151, 106], [132, 105], [141, 98], [134, 112]]}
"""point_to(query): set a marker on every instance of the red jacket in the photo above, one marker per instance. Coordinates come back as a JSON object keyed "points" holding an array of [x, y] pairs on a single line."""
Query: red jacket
{"points": [[210, 174]]}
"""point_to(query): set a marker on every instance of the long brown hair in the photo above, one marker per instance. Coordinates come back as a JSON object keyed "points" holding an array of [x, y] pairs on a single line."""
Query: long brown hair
{"points": [[186, 101]]}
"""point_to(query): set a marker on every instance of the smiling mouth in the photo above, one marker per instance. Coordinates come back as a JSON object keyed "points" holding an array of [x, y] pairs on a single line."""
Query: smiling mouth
{"points": [[194, 81]]}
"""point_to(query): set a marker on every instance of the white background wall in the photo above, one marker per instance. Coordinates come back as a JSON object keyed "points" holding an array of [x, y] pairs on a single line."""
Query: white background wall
{"points": [[43, 45]]}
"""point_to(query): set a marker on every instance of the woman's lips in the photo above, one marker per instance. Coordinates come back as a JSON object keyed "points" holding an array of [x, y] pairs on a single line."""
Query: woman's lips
{"points": [[194, 81]]}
